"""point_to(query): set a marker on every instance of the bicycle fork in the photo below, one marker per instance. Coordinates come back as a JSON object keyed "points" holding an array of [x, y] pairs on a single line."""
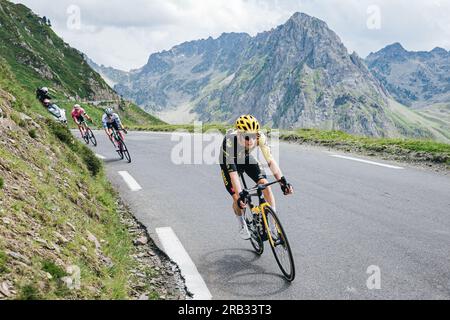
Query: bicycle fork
{"points": [[258, 216], [263, 224]]}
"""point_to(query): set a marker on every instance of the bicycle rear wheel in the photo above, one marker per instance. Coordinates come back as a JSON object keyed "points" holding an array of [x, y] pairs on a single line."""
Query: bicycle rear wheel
{"points": [[92, 137], [280, 245], [253, 229]]}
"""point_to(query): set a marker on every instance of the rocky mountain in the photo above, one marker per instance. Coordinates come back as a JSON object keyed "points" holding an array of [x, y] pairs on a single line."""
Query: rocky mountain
{"points": [[301, 75], [296, 75], [172, 82], [38, 57], [110, 75], [416, 79]]}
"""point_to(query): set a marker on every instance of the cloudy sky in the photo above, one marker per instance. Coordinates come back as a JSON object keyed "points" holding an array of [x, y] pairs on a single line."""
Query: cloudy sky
{"points": [[123, 34]]}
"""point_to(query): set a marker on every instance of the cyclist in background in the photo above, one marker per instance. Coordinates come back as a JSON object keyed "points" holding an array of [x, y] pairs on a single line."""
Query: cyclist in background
{"points": [[42, 94], [111, 120], [78, 116]]}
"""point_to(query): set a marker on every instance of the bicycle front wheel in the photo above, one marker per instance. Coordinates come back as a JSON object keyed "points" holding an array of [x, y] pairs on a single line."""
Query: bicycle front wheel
{"points": [[86, 137], [92, 137], [279, 244], [125, 152]]}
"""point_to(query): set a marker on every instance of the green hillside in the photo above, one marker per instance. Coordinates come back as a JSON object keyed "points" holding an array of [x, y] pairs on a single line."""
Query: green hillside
{"points": [[58, 212], [57, 208], [46, 213], [439, 114], [38, 57]]}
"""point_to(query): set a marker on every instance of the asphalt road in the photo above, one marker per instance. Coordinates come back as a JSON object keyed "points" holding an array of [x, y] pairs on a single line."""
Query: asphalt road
{"points": [[345, 217]]}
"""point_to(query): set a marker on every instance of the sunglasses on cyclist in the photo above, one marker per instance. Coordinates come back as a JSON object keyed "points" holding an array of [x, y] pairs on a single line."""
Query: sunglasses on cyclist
{"points": [[249, 136]]}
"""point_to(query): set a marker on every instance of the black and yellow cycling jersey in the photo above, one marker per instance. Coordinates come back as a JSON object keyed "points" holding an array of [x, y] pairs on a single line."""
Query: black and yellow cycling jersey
{"points": [[235, 157], [232, 152]]}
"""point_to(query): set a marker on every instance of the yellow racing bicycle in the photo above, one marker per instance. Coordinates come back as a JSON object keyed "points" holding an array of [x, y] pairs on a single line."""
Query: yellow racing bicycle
{"points": [[263, 225]]}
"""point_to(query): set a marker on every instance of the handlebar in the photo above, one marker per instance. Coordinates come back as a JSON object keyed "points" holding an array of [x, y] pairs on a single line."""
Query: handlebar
{"points": [[253, 192], [114, 130]]}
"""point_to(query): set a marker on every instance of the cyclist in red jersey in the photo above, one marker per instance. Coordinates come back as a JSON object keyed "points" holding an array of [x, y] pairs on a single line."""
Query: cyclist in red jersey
{"points": [[78, 116]]}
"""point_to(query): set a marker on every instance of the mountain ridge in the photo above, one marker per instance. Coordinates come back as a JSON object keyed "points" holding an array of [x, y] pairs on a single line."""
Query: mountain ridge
{"points": [[297, 75], [415, 78]]}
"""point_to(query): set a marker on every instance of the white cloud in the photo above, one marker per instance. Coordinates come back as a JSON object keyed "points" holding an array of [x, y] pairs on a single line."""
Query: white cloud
{"points": [[123, 34]]}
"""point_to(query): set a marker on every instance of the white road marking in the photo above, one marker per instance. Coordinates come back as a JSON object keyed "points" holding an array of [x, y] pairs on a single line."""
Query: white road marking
{"points": [[175, 250], [100, 156], [369, 162], [129, 180]]}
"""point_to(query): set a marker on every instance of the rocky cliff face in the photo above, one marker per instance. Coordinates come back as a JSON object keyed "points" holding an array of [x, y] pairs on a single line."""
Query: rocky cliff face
{"points": [[415, 79], [301, 75], [296, 75], [110, 75], [185, 73], [38, 57]]}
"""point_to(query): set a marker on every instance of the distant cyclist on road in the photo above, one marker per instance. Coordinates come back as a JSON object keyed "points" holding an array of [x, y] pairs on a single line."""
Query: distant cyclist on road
{"points": [[111, 120], [78, 116], [235, 157]]}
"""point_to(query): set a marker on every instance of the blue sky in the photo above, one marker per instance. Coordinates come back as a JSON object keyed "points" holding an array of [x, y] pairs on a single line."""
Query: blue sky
{"points": [[123, 34]]}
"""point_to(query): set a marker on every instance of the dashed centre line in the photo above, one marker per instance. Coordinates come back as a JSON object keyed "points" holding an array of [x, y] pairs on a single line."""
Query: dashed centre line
{"points": [[130, 181]]}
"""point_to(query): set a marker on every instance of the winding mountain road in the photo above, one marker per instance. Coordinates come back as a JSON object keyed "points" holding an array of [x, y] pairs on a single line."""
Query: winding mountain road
{"points": [[351, 223]]}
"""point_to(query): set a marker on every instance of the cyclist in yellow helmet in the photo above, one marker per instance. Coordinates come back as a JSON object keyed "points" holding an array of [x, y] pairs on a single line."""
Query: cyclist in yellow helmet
{"points": [[236, 158]]}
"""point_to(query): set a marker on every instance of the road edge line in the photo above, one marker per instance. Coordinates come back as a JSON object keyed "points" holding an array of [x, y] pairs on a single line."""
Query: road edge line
{"points": [[173, 247], [367, 161]]}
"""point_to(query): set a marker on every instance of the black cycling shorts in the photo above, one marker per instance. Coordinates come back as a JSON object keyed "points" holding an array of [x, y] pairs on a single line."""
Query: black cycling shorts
{"points": [[80, 119], [252, 168], [114, 125]]}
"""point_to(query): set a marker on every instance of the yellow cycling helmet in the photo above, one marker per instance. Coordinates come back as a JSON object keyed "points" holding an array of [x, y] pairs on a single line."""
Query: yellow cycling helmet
{"points": [[247, 124]]}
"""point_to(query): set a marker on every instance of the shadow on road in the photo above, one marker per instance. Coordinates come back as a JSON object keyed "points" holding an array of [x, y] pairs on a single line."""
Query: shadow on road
{"points": [[112, 160], [237, 272]]}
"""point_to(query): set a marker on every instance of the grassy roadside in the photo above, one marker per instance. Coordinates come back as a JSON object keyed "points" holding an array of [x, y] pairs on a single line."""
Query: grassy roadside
{"points": [[182, 127], [411, 150], [58, 210], [60, 219], [400, 149]]}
